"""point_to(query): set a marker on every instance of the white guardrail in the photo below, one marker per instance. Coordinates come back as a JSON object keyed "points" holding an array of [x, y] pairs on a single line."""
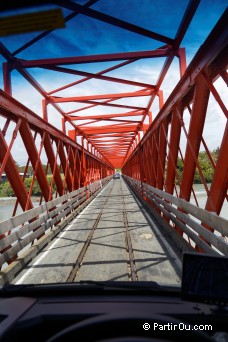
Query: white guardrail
{"points": [[190, 219], [22, 231]]}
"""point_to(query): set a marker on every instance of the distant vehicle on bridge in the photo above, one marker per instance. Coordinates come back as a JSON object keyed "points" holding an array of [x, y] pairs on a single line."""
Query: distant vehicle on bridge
{"points": [[4, 177], [116, 175]]}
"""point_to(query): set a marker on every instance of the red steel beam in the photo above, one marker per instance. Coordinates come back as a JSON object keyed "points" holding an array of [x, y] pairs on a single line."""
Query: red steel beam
{"points": [[104, 103], [52, 159], [14, 135], [101, 141], [119, 23], [172, 52], [163, 129], [119, 65], [119, 143], [75, 164], [86, 123], [149, 161], [109, 129], [31, 149], [224, 75], [99, 97], [215, 94], [105, 116], [155, 139], [15, 110], [114, 135], [115, 120], [13, 176], [116, 161], [44, 109], [107, 104], [17, 65], [65, 166], [220, 180], [211, 48], [182, 61], [90, 75], [175, 133], [95, 58], [186, 20], [200, 102], [83, 164], [109, 150], [6, 68]]}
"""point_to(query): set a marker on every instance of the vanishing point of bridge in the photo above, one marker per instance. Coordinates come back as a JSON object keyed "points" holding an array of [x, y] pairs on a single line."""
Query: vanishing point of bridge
{"points": [[89, 226]]}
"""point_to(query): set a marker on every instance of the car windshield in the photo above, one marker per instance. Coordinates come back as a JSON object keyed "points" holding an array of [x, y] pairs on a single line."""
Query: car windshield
{"points": [[113, 146]]}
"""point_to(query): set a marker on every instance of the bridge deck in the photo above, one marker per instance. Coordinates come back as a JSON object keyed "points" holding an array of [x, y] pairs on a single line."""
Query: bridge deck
{"points": [[110, 240]]}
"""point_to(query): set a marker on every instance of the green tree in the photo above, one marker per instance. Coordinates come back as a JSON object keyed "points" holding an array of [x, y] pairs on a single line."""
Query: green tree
{"points": [[6, 190], [205, 165], [179, 168]]}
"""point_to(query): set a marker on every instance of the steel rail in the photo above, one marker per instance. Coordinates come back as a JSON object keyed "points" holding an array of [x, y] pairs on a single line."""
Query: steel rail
{"points": [[78, 263], [133, 271]]}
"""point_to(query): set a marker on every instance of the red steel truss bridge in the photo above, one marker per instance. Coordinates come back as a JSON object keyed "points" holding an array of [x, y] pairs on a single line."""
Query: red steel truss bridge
{"points": [[99, 113]]}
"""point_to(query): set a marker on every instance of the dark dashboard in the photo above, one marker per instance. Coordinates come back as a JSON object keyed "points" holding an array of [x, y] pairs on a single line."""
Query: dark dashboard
{"points": [[100, 312]]}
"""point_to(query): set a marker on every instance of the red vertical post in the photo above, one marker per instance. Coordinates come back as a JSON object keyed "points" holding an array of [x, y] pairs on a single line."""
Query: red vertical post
{"points": [[200, 101], [148, 163], [79, 168], [83, 163], [30, 146], [13, 176], [138, 137], [65, 166], [136, 140], [219, 184], [150, 117], [53, 164], [72, 134], [182, 61], [174, 141], [73, 168], [64, 125], [44, 109], [14, 135], [7, 78], [141, 167], [155, 138], [161, 99], [162, 153]]}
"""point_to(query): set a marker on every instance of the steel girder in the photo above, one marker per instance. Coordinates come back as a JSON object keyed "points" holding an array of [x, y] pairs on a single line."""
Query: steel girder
{"points": [[168, 51], [146, 151], [70, 165], [161, 145]]}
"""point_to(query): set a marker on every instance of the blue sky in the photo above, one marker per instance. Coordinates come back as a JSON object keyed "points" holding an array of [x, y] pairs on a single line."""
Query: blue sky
{"points": [[87, 36]]}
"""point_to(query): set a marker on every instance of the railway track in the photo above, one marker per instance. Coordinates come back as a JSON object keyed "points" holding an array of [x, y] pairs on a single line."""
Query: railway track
{"points": [[80, 258], [110, 240], [132, 272], [131, 259]]}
